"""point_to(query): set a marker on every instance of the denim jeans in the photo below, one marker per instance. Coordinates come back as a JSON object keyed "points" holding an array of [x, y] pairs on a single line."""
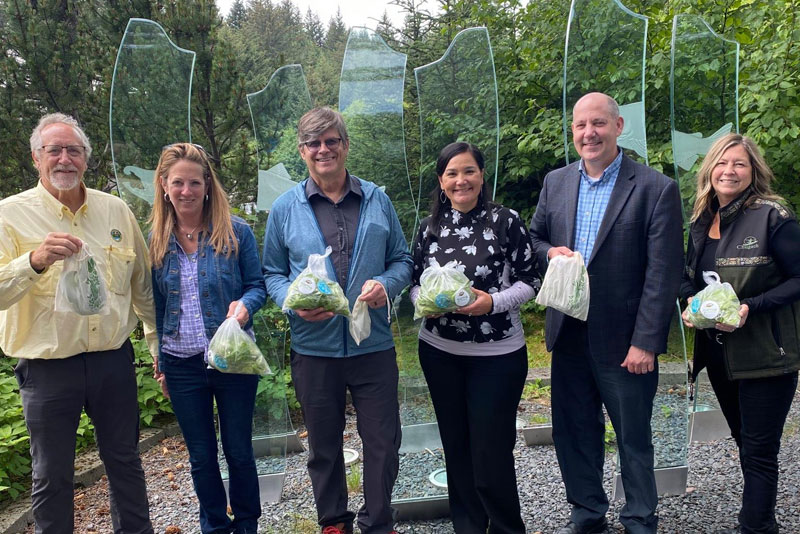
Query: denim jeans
{"points": [[193, 389], [581, 386]]}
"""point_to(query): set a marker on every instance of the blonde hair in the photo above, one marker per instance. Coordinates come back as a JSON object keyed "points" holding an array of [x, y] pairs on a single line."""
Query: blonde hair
{"points": [[216, 210], [762, 174]]}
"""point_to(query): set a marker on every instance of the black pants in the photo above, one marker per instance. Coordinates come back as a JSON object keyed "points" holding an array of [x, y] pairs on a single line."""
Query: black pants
{"points": [[321, 384], [54, 392], [476, 399], [756, 410]]}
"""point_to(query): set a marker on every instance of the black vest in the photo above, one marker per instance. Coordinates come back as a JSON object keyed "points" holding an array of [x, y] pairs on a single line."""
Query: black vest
{"points": [[768, 344]]}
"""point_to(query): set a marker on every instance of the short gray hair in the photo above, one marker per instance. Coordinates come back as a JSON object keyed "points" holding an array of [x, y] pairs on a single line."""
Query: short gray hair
{"points": [[316, 121], [56, 118]]}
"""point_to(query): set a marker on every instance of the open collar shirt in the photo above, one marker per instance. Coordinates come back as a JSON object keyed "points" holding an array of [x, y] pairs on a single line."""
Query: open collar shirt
{"points": [[29, 325], [190, 337], [593, 197], [338, 222]]}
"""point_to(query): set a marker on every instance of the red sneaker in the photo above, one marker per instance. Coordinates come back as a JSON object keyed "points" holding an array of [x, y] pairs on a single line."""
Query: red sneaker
{"points": [[338, 528]]}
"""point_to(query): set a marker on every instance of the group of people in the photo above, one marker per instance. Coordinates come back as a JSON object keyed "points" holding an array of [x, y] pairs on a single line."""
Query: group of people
{"points": [[202, 266]]}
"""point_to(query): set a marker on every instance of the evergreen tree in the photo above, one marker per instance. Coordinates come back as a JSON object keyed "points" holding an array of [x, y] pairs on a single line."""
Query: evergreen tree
{"points": [[314, 28], [237, 15], [336, 35]]}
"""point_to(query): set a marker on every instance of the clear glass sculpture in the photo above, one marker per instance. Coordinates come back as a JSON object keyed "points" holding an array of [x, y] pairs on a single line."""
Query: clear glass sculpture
{"points": [[458, 102], [371, 100], [275, 111], [605, 52], [273, 434], [704, 97], [670, 420], [150, 107]]}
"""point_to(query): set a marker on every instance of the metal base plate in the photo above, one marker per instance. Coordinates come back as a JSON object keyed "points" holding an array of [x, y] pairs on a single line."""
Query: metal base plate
{"points": [[708, 425], [422, 508], [538, 435], [417, 438], [270, 486], [277, 444], [669, 481]]}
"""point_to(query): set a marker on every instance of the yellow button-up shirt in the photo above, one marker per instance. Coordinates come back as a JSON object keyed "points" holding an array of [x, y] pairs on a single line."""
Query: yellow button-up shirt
{"points": [[29, 326]]}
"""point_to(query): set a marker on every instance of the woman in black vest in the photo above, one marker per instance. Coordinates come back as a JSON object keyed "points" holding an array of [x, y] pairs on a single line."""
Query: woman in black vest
{"points": [[744, 232]]}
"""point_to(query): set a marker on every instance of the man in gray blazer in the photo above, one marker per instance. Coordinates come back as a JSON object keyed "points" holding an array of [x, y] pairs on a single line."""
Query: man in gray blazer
{"points": [[625, 219]]}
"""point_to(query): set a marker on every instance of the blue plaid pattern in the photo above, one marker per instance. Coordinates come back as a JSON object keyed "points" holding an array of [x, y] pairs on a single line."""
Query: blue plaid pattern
{"points": [[190, 338], [593, 196]]}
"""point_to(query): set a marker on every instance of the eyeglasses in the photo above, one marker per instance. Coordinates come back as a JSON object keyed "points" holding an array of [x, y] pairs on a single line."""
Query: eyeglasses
{"points": [[73, 151], [198, 147], [331, 144]]}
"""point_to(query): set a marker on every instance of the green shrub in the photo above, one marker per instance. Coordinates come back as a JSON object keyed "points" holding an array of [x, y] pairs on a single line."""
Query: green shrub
{"points": [[15, 460], [151, 401]]}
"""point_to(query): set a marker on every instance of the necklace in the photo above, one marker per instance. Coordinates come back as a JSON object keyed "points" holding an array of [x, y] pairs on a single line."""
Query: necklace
{"points": [[190, 235]]}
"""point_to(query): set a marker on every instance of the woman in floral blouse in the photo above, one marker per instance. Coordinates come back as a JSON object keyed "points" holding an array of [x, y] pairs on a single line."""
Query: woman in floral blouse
{"points": [[475, 359]]}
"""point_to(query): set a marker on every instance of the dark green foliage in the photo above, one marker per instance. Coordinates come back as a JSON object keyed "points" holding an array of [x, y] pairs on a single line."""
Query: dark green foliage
{"points": [[15, 461]]}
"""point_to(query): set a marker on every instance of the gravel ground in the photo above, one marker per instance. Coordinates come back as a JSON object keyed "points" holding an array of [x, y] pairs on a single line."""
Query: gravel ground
{"points": [[711, 501]]}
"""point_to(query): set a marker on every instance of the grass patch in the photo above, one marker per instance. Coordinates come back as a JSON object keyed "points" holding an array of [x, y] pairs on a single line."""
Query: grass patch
{"points": [[353, 477]]}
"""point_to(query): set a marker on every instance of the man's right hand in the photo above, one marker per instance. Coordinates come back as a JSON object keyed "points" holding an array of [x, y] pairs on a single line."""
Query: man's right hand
{"points": [[314, 315], [56, 246], [552, 252]]}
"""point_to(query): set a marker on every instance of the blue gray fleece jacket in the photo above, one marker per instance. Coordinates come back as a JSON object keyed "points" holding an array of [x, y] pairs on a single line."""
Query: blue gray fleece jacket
{"points": [[380, 252]]}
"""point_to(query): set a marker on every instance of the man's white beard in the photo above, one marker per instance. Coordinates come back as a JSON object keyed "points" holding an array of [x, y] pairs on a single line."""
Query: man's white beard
{"points": [[64, 183]]}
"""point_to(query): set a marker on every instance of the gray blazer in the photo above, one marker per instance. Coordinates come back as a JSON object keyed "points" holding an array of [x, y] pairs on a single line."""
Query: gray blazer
{"points": [[635, 267]]}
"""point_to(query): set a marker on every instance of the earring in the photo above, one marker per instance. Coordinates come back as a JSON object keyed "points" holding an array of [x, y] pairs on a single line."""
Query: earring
{"points": [[206, 197], [166, 198], [442, 196]]}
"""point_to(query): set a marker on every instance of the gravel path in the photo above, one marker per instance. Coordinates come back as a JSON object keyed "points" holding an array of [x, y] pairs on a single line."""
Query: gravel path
{"points": [[711, 501]]}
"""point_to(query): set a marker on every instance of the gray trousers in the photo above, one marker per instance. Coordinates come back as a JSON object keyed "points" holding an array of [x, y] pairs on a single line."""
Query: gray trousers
{"points": [[54, 392], [321, 385]]}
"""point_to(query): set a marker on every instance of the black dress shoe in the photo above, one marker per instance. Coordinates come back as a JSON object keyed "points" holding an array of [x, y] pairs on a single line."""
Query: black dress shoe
{"points": [[599, 527]]}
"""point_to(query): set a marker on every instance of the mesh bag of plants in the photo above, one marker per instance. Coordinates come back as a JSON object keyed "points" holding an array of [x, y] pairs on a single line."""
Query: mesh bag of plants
{"points": [[442, 289], [566, 286], [313, 289], [716, 303], [232, 350], [81, 287]]}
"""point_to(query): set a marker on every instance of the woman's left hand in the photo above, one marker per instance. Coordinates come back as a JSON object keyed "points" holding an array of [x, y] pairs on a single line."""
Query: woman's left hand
{"points": [[744, 310], [243, 316], [481, 306]]}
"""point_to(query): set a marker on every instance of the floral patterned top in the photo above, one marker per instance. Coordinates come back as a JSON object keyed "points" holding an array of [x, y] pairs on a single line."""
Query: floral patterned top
{"points": [[493, 250]]}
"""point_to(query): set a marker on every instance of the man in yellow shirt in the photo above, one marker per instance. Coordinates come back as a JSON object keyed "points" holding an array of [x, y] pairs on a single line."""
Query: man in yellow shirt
{"points": [[70, 362]]}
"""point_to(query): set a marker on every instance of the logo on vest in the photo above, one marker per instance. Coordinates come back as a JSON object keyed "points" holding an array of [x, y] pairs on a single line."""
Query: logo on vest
{"points": [[749, 242]]}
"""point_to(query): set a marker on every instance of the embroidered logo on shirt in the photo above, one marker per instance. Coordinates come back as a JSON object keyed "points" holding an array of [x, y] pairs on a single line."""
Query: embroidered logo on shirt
{"points": [[749, 243], [116, 235]]}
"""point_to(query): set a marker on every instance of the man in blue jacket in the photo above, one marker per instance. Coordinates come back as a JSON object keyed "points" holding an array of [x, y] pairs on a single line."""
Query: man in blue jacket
{"points": [[356, 219]]}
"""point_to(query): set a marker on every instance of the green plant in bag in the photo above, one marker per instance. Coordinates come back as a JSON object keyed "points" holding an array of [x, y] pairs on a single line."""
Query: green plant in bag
{"points": [[309, 291]]}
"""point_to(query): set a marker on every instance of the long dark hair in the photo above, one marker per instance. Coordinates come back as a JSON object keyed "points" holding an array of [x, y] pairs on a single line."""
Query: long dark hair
{"points": [[438, 207]]}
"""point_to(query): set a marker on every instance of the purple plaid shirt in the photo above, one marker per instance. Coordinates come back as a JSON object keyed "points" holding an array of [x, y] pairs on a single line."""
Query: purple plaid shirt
{"points": [[190, 338]]}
